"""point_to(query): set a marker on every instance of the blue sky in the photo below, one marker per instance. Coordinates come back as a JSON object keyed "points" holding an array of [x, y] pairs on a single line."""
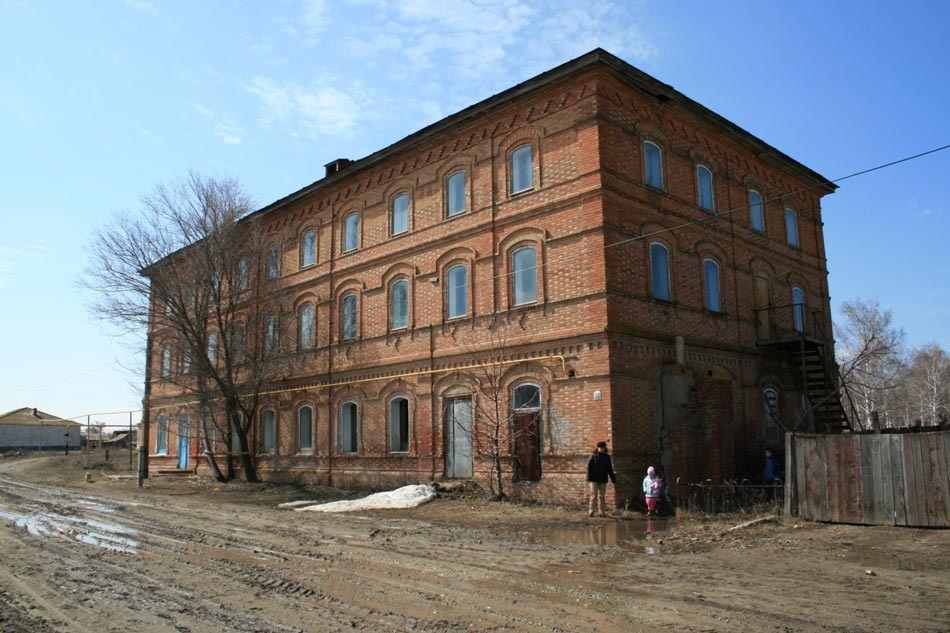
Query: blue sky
{"points": [[101, 100]]}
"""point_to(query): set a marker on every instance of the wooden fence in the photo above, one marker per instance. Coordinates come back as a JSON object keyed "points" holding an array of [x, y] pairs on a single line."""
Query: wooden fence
{"points": [[877, 479]]}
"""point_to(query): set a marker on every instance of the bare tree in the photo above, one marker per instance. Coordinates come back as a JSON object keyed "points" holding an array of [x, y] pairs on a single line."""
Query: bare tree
{"points": [[928, 384], [869, 349], [186, 269]]}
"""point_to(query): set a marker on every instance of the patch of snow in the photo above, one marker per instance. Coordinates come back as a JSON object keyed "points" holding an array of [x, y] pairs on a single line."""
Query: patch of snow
{"points": [[405, 497]]}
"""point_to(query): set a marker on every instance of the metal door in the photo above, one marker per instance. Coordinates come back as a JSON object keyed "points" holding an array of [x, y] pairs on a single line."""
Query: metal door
{"points": [[458, 438], [183, 441]]}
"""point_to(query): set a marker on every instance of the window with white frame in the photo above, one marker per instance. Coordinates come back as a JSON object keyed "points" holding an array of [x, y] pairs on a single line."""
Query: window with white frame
{"points": [[399, 425], [399, 304], [167, 362], [399, 214], [161, 438], [704, 187], [457, 293], [308, 249], [653, 164], [306, 326], [349, 426], [348, 317], [268, 431], [455, 194], [524, 275], [791, 228], [756, 214], [351, 232], [305, 428], [273, 262], [660, 271], [522, 168], [712, 285]]}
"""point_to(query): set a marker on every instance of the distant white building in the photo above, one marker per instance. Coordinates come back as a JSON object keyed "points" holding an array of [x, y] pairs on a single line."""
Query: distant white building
{"points": [[33, 430]]}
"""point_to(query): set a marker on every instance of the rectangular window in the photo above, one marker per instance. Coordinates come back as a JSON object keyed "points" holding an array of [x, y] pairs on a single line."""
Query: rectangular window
{"points": [[351, 231], [348, 428], [305, 429], [399, 304], [269, 431], [457, 292], [270, 335], [161, 439], [522, 169], [306, 331], [349, 317], [308, 249], [400, 214], [167, 362], [653, 165], [524, 276], [756, 216], [273, 262], [455, 194], [660, 271]]}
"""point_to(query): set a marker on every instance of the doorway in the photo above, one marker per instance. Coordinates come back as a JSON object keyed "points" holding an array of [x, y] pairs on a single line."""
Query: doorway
{"points": [[458, 438]]}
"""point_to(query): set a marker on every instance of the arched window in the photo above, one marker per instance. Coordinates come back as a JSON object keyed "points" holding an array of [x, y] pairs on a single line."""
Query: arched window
{"points": [[308, 249], [306, 327], [455, 194], [268, 431], [526, 397], [166, 362], [399, 425], [399, 304], [399, 214], [653, 165], [273, 262], [522, 168], [704, 188], [798, 309], [351, 231], [457, 295], [791, 228], [242, 281], [349, 425], [305, 429], [711, 282], [771, 427], [660, 271], [524, 276], [212, 349], [756, 215], [348, 317], [270, 335]]}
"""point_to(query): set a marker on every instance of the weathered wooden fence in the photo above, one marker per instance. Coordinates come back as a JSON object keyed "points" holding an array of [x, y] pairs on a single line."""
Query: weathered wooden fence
{"points": [[879, 479]]}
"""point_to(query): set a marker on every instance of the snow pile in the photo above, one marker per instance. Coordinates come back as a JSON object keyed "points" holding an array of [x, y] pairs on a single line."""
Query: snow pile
{"points": [[405, 497]]}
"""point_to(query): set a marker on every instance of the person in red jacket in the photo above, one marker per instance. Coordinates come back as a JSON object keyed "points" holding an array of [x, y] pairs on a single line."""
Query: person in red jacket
{"points": [[600, 468]]}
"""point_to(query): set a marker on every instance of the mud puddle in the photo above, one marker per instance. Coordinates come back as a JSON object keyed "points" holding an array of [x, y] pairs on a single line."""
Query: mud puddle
{"points": [[645, 533]]}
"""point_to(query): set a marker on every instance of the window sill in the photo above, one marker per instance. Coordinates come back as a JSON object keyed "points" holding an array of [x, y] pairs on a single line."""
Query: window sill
{"points": [[520, 192]]}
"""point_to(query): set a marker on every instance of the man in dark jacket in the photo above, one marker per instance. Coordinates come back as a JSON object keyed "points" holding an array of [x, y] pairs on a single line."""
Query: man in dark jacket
{"points": [[599, 469]]}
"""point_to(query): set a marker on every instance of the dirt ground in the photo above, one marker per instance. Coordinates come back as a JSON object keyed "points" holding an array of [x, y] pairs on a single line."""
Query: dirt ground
{"points": [[183, 554]]}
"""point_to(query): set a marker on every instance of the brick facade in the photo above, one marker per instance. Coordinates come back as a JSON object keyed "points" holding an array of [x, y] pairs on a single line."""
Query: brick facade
{"points": [[594, 341]]}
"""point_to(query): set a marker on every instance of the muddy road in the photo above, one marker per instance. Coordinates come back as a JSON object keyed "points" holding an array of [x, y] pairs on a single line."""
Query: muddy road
{"points": [[190, 555]]}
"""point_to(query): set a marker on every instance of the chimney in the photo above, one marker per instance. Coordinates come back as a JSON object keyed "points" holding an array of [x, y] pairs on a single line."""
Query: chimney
{"points": [[34, 413], [338, 165]]}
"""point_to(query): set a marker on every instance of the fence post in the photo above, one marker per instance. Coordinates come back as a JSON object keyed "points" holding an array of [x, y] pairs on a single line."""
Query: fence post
{"points": [[791, 477]]}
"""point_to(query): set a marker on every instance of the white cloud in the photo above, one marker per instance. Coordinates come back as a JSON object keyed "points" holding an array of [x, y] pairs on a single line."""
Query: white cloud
{"points": [[925, 213], [330, 107], [225, 126], [12, 256], [141, 5]]}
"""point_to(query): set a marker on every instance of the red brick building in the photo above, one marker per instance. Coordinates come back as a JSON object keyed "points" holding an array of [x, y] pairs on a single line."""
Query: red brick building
{"points": [[619, 261]]}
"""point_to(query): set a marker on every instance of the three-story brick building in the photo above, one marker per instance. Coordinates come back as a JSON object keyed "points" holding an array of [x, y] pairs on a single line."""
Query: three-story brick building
{"points": [[618, 261]]}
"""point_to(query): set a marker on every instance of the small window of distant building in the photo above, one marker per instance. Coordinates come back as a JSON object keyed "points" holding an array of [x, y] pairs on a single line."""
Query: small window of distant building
{"points": [[399, 304], [455, 194], [798, 309], [273, 262], [306, 327], [305, 429], [711, 281], [348, 317], [349, 426], [660, 271], [399, 425], [791, 228], [756, 215], [308, 249], [351, 230], [522, 168], [653, 165], [161, 439], [524, 278], [704, 185], [268, 431], [457, 294], [399, 217], [270, 335]]}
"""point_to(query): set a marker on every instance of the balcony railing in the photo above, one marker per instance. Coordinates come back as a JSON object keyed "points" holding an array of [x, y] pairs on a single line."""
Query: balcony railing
{"points": [[791, 322]]}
